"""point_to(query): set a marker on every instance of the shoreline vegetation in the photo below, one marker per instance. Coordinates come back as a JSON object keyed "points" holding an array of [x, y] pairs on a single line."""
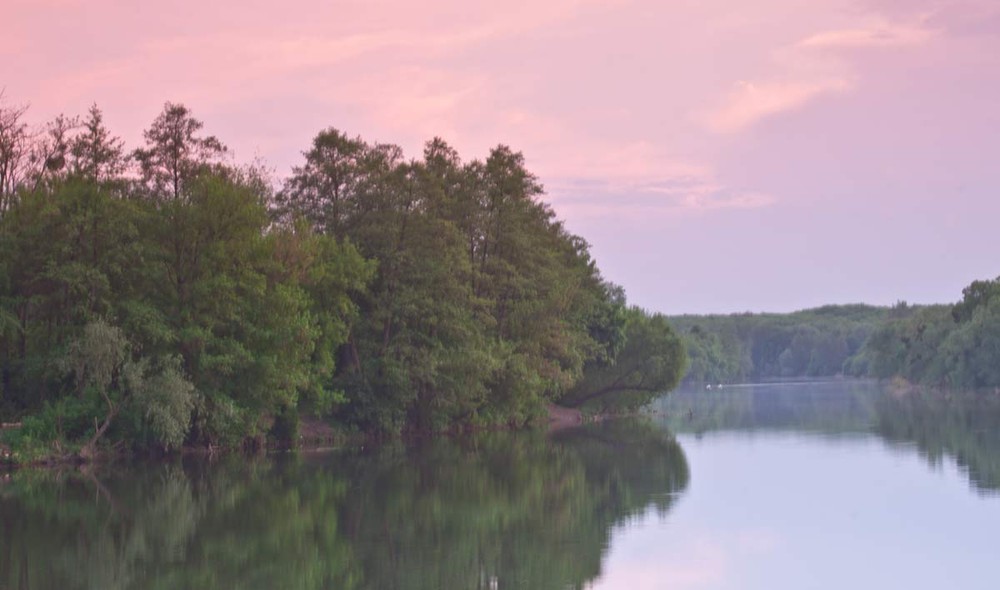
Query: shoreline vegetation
{"points": [[943, 347], [166, 297], [314, 435]]}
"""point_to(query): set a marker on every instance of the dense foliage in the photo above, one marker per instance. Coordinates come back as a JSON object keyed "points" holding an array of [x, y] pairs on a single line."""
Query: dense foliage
{"points": [[819, 342], [169, 296], [644, 368], [954, 346]]}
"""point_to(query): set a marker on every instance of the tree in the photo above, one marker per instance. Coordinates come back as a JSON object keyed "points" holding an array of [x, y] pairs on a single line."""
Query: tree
{"points": [[970, 350], [977, 294], [323, 188], [71, 254], [15, 149], [166, 399], [175, 154], [100, 361], [651, 363], [712, 357], [96, 154]]}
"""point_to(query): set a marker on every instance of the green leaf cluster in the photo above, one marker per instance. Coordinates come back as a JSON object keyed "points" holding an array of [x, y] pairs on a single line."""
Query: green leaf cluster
{"points": [[953, 346], [187, 314]]}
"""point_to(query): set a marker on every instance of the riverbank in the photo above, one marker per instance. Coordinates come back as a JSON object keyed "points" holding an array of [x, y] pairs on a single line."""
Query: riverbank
{"points": [[313, 434]]}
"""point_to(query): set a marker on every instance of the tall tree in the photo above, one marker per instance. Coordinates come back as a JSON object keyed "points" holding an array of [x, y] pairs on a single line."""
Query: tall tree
{"points": [[323, 188], [96, 154], [15, 149], [175, 154]]}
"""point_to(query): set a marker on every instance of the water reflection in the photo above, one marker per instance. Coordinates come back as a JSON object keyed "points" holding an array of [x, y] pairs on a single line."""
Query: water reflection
{"points": [[494, 511], [962, 426]]}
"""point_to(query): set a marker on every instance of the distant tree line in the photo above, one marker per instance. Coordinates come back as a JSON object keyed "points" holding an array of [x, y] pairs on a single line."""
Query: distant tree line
{"points": [[167, 295], [817, 342], [952, 346]]}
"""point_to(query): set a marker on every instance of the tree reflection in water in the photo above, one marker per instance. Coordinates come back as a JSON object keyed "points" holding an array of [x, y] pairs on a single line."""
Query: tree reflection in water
{"points": [[497, 510], [964, 426]]}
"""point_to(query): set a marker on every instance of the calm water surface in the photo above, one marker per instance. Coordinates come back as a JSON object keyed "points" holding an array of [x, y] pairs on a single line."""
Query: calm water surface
{"points": [[819, 485]]}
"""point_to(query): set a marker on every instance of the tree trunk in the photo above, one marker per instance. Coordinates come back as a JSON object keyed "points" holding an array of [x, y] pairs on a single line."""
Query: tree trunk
{"points": [[89, 450]]}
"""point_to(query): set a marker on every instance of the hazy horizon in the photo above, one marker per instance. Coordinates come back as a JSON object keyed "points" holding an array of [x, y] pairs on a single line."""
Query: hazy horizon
{"points": [[719, 156]]}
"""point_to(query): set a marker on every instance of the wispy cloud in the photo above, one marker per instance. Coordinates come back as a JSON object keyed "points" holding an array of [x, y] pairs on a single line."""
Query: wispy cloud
{"points": [[423, 101], [750, 102], [880, 35], [284, 52], [371, 33], [814, 67], [649, 199]]}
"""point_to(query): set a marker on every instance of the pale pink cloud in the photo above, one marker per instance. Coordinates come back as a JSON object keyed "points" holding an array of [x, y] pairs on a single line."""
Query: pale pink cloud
{"points": [[619, 162], [648, 209], [633, 181], [751, 102], [284, 51], [36, 4], [814, 67], [729, 200], [886, 35], [424, 101], [649, 201]]}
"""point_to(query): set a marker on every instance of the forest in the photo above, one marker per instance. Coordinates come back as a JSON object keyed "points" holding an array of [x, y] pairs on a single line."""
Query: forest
{"points": [[167, 296], [945, 346], [819, 342]]}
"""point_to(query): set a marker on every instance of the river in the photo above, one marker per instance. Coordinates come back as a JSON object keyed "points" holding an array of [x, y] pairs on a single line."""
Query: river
{"points": [[790, 485]]}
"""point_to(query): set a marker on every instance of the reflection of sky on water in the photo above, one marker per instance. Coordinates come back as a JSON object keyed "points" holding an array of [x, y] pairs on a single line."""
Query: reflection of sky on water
{"points": [[785, 510]]}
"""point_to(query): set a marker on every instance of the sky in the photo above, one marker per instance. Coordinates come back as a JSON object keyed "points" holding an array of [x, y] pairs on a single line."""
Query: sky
{"points": [[718, 155]]}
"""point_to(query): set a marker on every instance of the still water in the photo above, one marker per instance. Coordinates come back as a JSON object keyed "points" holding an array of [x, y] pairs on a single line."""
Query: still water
{"points": [[816, 485]]}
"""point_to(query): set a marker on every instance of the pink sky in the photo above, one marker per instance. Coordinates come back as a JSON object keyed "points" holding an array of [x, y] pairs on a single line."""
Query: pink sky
{"points": [[719, 155]]}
